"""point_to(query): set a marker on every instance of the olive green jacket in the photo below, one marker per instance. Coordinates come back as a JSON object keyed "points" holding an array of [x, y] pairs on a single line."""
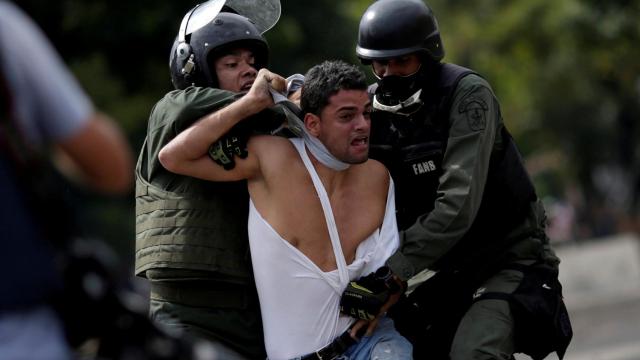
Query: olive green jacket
{"points": [[474, 124], [183, 222]]}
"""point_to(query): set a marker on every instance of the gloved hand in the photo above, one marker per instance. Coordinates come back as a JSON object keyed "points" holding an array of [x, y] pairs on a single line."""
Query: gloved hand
{"points": [[364, 298], [223, 150]]}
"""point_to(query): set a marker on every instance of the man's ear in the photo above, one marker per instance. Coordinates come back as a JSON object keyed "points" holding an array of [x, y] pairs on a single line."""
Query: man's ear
{"points": [[312, 123]]}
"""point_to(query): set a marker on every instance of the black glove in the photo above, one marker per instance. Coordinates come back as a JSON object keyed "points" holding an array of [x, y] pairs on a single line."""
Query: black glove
{"points": [[223, 150], [363, 298]]}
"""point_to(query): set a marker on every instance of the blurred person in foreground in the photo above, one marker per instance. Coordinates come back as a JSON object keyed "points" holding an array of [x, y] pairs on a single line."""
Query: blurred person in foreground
{"points": [[466, 207], [191, 235], [43, 114]]}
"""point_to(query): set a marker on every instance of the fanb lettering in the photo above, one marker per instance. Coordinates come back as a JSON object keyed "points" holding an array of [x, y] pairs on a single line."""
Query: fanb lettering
{"points": [[423, 167]]}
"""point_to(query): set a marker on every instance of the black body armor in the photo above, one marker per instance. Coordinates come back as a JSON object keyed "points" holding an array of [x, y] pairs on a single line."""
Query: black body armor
{"points": [[413, 149]]}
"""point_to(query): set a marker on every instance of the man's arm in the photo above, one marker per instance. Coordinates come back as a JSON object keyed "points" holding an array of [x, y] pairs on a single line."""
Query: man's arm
{"points": [[100, 156], [187, 153], [474, 121], [51, 108]]}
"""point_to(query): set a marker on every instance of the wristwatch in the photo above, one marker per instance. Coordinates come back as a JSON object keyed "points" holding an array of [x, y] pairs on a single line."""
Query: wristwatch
{"points": [[386, 275]]}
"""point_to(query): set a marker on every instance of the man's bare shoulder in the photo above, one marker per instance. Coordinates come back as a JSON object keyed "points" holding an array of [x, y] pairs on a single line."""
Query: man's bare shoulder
{"points": [[270, 143], [276, 150], [374, 174], [377, 167]]}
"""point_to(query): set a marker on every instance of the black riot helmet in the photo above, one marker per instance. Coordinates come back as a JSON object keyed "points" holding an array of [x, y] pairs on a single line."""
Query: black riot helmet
{"points": [[192, 53], [392, 28]]}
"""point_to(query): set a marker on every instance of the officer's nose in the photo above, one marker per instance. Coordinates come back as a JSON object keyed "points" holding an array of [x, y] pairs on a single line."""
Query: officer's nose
{"points": [[249, 69]]}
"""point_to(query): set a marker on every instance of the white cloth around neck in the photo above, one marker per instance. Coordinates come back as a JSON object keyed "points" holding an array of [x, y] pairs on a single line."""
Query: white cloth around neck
{"points": [[315, 146]]}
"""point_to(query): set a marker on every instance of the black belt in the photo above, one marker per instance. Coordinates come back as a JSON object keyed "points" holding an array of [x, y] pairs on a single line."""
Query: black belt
{"points": [[337, 347]]}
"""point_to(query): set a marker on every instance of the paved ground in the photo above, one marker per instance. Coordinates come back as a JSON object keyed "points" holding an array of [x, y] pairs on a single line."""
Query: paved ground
{"points": [[602, 290], [606, 332]]}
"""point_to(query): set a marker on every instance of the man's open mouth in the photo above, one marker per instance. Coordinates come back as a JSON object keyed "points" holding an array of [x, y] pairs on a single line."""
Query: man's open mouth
{"points": [[359, 141]]}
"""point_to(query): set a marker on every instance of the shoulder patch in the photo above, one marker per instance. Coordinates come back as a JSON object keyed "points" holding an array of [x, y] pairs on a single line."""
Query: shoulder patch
{"points": [[475, 110]]}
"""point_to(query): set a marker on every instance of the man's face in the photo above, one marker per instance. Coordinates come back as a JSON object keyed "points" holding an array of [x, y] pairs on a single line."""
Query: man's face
{"points": [[235, 70], [345, 124], [401, 66]]}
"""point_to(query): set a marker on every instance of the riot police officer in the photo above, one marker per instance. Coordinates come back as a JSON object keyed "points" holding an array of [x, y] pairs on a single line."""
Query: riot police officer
{"points": [[191, 235], [466, 206]]}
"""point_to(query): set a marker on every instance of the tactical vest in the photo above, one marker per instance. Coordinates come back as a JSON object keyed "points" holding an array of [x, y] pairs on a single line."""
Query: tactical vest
{"points": [[413, 150], [197, 225], [192, 230]]}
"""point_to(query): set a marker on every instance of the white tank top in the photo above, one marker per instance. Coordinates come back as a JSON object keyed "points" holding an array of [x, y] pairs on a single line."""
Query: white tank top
{"points": [[300, 303]]}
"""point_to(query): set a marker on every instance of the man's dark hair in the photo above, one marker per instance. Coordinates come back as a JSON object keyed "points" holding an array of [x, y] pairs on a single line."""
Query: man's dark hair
{"points": [[326, 79]]}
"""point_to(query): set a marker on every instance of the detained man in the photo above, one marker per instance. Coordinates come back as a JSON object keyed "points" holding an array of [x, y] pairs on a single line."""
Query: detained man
{"points": [[321, 214]]}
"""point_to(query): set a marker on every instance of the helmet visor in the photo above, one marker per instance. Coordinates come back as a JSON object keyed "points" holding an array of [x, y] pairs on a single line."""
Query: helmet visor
{"points": [[264, 13]]}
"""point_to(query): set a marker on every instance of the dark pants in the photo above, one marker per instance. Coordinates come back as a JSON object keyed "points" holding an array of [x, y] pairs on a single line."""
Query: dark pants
{"points": [[219, 311], [447, 324], [234, 334], [486, 330]]}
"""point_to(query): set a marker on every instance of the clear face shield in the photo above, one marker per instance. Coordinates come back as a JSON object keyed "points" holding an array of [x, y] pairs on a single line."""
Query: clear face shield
{"points": [[264, 13]]}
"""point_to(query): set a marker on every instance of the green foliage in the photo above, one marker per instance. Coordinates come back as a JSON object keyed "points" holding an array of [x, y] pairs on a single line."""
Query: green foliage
{"points": [[309, 32], [565, 71]]}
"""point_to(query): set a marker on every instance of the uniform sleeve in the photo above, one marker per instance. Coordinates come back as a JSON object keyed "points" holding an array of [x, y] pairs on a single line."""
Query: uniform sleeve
{"points": [[474, 121], [175, 112], [196, 102], [48, 100]]}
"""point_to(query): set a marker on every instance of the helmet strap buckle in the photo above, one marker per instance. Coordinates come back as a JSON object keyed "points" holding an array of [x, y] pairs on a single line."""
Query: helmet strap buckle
{"points": [[189, 66]]}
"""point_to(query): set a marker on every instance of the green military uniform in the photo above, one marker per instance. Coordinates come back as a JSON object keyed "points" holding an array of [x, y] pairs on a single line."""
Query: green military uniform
{"points": [[475, 125], [191, 236], [446, 210]]}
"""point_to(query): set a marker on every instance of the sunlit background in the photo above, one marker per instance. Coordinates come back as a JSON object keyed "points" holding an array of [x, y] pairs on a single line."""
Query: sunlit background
{"points": [[566, 73]]}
